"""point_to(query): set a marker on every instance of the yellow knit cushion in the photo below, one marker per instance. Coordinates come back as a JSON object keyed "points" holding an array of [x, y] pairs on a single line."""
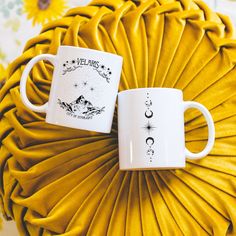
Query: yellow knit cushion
{"points": [[61, 181]]}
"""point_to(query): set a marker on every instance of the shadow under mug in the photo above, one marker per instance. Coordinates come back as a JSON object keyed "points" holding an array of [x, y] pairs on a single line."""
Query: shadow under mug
{"points": [[83, 91], [151, 129]]}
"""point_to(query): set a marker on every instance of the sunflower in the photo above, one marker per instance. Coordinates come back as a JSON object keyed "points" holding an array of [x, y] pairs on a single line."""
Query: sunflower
{"points": [[42, 11]]}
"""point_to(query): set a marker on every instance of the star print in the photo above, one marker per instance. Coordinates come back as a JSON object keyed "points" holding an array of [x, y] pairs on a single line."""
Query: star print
{"points": [[85, 83], [149, 127]]}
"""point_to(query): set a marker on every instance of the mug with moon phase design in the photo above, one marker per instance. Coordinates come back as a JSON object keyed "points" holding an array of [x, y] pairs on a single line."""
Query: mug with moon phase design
{"points": [[151, 129], [83, 91]]}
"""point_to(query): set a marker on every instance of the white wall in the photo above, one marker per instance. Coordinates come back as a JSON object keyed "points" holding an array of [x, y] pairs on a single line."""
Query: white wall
{"points": [[226, 7]]}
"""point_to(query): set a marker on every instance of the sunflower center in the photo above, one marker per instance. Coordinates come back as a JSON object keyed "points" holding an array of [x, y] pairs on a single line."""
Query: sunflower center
{"points": [[43, 4]]}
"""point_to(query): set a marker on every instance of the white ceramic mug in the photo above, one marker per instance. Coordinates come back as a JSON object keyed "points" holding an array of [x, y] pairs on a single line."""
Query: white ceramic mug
{"points": [[151, 129], [83, 91]]}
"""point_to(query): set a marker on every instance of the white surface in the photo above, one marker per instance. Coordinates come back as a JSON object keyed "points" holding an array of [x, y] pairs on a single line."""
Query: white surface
{"points": [[84, 88], [163, 146], [226, 7], [211, 130]]}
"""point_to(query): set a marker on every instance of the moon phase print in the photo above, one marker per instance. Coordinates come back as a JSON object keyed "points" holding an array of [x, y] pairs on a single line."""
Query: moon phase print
{"points": [[150, 141], [148, 114], [149, 128]]}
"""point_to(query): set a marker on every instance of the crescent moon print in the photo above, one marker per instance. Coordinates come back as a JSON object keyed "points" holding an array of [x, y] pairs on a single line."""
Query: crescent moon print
{"points": [[150, 141], [149, 114]]}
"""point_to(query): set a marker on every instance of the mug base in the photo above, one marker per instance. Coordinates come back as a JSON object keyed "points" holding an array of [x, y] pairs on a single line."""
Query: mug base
{"points": [[151, 168], [105, 131]]}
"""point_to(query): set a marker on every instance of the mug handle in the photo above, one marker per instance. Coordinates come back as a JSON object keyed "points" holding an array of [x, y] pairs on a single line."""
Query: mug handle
{"points": [[211, 130], [24, 77]]}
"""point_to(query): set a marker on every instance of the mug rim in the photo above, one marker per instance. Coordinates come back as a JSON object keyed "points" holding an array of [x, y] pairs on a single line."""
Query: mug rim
{"points": [[89, 49], [152, 88]]}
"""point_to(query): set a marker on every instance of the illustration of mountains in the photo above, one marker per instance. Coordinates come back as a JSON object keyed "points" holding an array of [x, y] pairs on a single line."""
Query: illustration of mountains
{"points": [[81, 107]]}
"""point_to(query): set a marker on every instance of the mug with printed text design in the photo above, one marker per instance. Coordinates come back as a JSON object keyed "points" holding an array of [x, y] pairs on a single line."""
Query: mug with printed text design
{"points": [[151, 129], [84, 88]]}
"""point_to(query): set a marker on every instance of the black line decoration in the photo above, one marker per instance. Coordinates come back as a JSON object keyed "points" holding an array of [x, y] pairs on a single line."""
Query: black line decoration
{"points": [[81, 108], [149, 141], [72, 65], [105, 72]]}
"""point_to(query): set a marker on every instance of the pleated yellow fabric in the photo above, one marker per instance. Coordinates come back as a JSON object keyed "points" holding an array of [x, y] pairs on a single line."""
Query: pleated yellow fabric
{"points": [[61, 181]]}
